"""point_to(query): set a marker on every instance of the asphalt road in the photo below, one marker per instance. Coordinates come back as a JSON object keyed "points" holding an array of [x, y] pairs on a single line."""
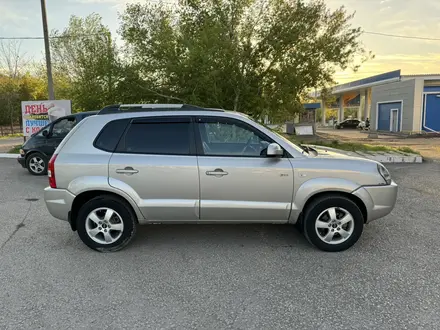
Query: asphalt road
{"points": [[220, 277]]}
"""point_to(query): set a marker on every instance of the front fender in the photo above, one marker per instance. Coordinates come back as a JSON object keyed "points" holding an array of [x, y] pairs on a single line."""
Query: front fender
{"points": [[34, 150], [315, 186], [93, 183]]}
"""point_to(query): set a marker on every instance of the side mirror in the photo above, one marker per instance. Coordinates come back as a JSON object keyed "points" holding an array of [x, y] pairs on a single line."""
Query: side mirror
{"points": [[274, 150], [45, 133]]}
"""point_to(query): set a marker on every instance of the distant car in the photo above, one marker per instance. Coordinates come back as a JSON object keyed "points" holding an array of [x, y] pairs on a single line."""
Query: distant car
{"points": [[186, 164], [37, 150], [348, 123]]}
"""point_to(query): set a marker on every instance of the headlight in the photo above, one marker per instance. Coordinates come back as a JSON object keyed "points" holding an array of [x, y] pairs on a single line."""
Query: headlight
{"points": [[21, 152], [384, 173]]}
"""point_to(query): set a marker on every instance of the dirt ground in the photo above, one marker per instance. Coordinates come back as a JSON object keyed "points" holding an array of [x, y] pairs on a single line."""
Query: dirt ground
{"points": [[7, 143], [427, 147]]}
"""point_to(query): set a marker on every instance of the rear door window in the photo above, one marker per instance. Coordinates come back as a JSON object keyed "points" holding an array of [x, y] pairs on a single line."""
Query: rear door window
{"points": [[164, 136]]}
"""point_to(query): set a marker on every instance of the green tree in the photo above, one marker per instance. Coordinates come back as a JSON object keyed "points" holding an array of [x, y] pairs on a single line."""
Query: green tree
{"points": [[255, 56], [86, 62], [16, 84]]}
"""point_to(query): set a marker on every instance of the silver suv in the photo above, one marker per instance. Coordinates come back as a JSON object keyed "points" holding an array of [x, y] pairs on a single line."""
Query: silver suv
{"points": [[144, 164]]}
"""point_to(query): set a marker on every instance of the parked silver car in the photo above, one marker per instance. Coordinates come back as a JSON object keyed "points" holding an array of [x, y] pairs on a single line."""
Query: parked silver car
{"points": [[174, 163]]}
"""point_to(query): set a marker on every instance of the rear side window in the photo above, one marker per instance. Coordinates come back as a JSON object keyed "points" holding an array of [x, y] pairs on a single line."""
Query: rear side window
{"points": [[165, 138], [110, 135]]}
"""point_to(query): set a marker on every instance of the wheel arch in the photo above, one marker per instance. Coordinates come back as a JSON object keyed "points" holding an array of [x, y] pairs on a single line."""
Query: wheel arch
{"points": [[87, 195], [316, 188], [34, 151], [359, 203]]}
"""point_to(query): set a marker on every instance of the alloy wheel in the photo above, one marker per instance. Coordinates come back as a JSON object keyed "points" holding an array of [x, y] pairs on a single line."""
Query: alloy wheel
{"points": [[334, 225], [37, 165], [104, 225]]}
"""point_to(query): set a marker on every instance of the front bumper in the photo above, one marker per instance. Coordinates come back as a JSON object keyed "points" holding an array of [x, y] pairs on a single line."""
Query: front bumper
{"points": [[22, 161], [58, 202], [379, 200]]}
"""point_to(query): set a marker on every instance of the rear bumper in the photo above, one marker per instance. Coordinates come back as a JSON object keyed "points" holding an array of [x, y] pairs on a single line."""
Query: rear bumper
{"points": [[379, 200], [58, 202], [22, 161]]}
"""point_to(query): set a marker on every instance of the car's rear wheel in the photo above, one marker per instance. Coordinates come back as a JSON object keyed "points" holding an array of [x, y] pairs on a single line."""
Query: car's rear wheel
{"points": [[333, 223], [36, 163], [106, 223]]}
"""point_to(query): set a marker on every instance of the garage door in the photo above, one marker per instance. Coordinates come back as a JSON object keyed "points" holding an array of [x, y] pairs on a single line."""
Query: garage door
{"points": [[431, 120], [389, 115]]}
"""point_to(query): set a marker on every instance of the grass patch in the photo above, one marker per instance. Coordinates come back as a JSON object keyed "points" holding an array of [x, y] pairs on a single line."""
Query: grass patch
{"points": [[350, 146], [8, 136], [15, 150]]}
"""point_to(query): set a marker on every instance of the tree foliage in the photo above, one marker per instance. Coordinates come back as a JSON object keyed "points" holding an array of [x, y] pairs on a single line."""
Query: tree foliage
{"points": [[86, 58], [254, 56], [261, 57], [16, 83]]}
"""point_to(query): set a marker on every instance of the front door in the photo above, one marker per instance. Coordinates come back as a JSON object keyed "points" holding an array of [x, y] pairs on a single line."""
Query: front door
{"points": [[237, 181], [58, 131], [156, 164]]}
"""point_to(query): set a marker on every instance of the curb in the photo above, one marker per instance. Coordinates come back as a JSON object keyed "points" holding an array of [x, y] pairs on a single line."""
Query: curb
{"points": [[431, 160], [10, 156]]}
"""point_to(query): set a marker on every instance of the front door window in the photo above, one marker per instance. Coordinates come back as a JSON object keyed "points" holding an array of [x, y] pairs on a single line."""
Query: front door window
{"points": [[61, 128], [230, 139]]}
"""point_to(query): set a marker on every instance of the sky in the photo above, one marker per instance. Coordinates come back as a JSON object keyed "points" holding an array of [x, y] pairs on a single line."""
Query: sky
{"points": [[22, 18]]}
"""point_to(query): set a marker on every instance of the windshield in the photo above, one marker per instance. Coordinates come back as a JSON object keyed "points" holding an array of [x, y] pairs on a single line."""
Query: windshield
{"points": [[41, 130], [293, 145]]}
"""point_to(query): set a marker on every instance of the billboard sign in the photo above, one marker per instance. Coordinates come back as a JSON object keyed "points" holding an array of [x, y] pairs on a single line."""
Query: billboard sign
{"points": [[37, 114]]}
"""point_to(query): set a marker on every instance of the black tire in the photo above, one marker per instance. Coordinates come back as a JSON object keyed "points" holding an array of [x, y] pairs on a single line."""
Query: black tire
{"points": [[30, 163], [324, 203], [116, 204]]}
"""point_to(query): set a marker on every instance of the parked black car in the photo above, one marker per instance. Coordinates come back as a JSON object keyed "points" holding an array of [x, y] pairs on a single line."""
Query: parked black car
{"points": [[37, 150], [348, 123]]}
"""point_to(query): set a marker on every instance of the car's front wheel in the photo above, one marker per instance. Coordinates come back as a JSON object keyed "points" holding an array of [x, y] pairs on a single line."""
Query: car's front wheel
{"points": [[36, 163], [106, 223], [333, 223]]}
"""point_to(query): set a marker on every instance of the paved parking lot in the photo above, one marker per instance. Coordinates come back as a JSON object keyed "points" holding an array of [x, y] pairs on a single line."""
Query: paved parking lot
{"points": [[220, 277]]}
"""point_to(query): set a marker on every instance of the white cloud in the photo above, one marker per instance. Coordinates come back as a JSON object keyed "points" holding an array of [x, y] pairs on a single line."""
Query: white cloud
{"points": [[385, 8]]}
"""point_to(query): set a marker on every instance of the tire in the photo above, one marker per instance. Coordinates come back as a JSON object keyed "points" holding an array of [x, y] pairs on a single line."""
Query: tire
{"points": [[339, 236], [106, 237], [36, 164]]}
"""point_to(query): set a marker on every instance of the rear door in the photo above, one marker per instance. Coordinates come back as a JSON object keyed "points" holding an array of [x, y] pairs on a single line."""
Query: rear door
{"points": [[59, 130], [156, 162]]}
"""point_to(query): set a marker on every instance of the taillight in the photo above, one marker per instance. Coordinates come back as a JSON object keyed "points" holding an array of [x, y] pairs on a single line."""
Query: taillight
{"points": [[51, 171]]}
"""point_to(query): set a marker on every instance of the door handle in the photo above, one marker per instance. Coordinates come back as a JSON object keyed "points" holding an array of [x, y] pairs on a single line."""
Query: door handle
{"points": [[218, 172], [128, 170]]}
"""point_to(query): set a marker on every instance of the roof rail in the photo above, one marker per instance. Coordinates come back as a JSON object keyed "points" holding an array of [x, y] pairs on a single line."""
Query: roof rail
{"points": [[122, 108]]}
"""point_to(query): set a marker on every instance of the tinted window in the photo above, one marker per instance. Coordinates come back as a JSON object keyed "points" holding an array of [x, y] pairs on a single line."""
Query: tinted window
{"points": [[158, 138], [110, 135], [225, 138]]}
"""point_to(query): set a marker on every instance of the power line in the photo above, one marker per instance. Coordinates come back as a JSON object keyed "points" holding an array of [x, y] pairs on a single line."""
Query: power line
{"points": [[88, 35], [51, 37], [400, 36]]}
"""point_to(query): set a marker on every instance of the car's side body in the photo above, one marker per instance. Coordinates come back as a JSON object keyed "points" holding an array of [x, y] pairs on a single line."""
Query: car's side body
{"points": [[186, 188]]}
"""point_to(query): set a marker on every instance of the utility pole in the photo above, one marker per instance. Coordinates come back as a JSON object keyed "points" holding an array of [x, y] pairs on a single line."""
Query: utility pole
{"points": [[47, 48]]}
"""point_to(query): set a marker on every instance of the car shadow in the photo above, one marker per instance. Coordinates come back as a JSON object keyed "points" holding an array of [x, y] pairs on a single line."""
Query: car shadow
{"points": [[240, 235]]}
